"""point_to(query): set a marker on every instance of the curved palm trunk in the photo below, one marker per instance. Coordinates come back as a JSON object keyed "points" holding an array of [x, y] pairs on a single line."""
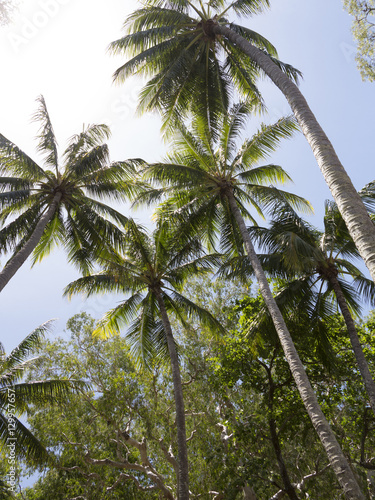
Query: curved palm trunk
{"points": [[183, 465], [16, 261], [351, 207], [335, 455], [356, 345]]}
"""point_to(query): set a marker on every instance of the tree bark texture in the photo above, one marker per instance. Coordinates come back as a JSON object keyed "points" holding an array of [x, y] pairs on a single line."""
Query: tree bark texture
{"points": [[183, 464], [335, 455], [16, 261], [351, 207]]}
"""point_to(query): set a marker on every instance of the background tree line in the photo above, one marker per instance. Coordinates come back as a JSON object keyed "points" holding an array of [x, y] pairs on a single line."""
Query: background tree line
{"points": [[248, 433]]}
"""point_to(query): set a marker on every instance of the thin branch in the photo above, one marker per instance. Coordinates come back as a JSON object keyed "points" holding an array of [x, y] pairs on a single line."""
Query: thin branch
{"points": [[169, 456], [123, 477], [191, 435]]}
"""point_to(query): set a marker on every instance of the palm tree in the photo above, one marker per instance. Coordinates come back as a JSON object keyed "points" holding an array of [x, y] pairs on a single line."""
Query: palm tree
{"points": [[153, 271], [319, 264], [16, 394], [55, 204], [210, 182], [195, 57]]}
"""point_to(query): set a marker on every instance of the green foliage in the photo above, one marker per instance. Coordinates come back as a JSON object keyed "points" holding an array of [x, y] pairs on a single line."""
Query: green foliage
{"points": [[201, 173], [137, 403], [9, 476], [81, 222], [237, 388], [92, 421], [252, 363], [16, 396], [149, 265], [126, 406], [175, 46], [363, 29]]}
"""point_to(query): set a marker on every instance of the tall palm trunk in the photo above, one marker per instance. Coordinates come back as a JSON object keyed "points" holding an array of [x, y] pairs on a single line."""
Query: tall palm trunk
{"points": [[356, 345], [16, 261], [183, 465], [335, 455], [351, 207]]}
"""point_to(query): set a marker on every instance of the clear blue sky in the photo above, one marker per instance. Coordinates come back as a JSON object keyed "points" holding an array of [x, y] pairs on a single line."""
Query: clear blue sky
{"points": [[58, 48]]}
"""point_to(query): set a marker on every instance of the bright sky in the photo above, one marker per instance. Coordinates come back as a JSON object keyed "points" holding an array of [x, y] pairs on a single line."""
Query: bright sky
{"points": [[57, 48]]}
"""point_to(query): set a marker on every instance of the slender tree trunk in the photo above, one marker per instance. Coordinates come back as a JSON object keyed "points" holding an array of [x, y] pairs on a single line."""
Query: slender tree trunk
{"points": [[183, 465], [357, 348], [288, 486], [335, 455], [16, 261], [351, 207]]}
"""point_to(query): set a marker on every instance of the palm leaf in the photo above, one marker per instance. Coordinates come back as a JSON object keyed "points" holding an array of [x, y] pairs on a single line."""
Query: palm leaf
{"points": [[47, 144], [53, 234], [266, 140], [366, 288], [45, 392], [17, 163], [28, 446], [89, 139], [28, 345]]}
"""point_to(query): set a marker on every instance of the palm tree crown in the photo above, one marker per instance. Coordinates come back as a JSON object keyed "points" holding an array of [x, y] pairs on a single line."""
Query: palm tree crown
{"points": [[312, 257], [202, 172], [149, 265], [321, 272], [56, 204], [173, 43]]}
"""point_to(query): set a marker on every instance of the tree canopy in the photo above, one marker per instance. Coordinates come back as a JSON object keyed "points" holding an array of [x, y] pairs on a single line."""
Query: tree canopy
{"points": [[363, 29]]}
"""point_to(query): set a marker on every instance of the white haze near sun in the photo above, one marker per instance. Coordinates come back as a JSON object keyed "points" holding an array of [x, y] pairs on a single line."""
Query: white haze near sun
{"points": [[58, 49]]}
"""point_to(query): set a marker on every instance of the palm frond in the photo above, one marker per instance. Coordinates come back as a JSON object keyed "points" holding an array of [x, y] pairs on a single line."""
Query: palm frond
{"points": [[158, 16], [141, 247], [89, 139], [266, 140], [146, 334], [367, 193], [254, 38], [28, 345], [366, 288], [47, 144], [52, 236], [15, 162], [87, 163], [9, 185], [232, 128], [46, 392], [95, 283], [14, 374], [28, 446]]}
